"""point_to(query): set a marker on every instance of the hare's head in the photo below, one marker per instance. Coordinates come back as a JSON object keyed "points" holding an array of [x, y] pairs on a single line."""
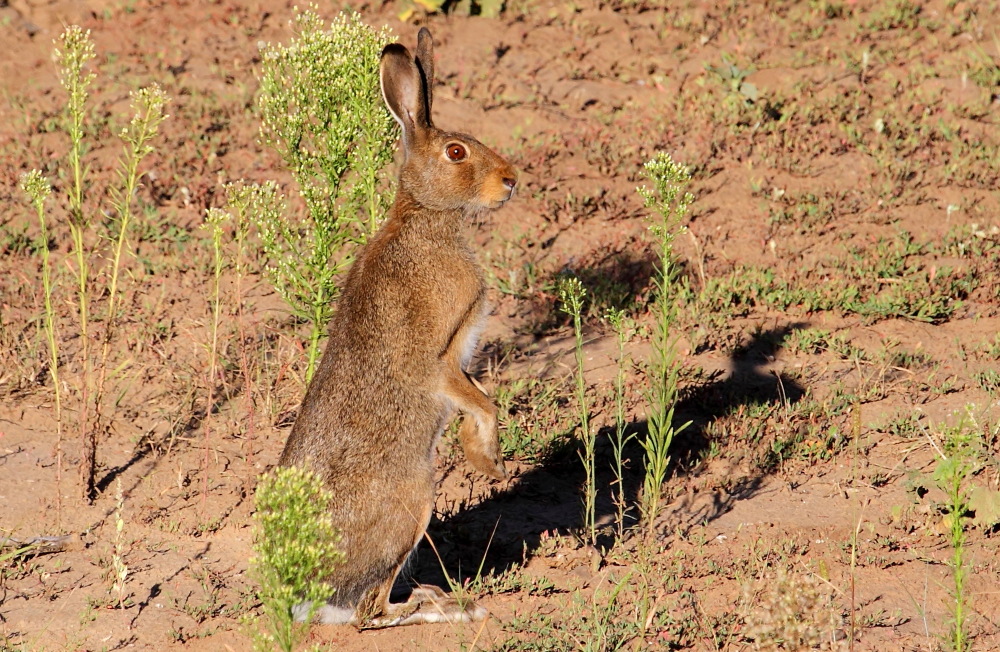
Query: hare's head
{"points": [[442, 170]]}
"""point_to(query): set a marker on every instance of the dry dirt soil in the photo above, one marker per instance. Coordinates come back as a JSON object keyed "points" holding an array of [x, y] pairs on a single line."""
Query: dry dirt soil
{"points": [[837, 321]]}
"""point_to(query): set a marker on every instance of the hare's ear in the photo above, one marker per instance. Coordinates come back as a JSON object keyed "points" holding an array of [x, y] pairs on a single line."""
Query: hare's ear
{"points": [[425, 61], [403, 92]]}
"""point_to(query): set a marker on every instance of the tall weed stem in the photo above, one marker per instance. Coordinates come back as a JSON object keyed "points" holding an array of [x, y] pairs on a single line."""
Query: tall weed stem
{"points": [[74, 51], [38, 189], [617, 319], [670, 204], [147, 106], [572, 294], [214, 219]]}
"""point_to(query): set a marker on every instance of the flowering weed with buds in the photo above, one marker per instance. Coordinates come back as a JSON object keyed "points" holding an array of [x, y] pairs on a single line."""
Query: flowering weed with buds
{"points": [[670, 203], [74, 50], [294, 542], [38, 189], [322, 111]]}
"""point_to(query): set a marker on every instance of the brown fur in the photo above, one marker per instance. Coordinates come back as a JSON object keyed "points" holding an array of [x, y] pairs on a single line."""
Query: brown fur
{"points": [[393, 369]]}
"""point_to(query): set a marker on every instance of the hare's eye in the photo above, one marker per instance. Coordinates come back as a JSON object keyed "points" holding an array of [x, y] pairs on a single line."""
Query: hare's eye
{"points": [[455, 152]]}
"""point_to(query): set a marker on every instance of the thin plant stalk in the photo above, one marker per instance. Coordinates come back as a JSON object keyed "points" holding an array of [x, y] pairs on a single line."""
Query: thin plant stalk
{"points": [[617, 320], [76, 49], [959, 641], [572, 294], [264, 206], [148, 106], [240, 230], [213, 220], [38, 189], [670, 204]]}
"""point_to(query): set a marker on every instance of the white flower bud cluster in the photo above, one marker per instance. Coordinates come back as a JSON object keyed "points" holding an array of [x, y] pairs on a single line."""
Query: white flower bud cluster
{"points": [[322, 111]]}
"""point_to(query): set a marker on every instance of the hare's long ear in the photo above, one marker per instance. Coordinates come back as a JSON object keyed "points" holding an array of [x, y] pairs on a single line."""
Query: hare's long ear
{"points": [[403, 92], [425, 61]]}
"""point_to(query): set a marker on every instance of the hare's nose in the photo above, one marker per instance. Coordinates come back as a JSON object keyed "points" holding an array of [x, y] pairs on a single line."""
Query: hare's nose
{"points": [[510, 182]]}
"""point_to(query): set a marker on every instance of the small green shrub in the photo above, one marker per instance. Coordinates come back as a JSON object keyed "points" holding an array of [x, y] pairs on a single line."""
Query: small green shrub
{"points": [[294, 544], [322, 112]]}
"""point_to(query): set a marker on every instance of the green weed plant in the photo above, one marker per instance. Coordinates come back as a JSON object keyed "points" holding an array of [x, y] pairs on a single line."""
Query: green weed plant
{"points": [[957, 464], [619, 322], [572, 295], [295, 543], [38, 189], [669, 203], [322, 112], [74, 51]]}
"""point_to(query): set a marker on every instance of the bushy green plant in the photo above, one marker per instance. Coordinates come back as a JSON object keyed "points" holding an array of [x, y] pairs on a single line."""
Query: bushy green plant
{"points": [[295, 543], [670, 203], [322, 111]]}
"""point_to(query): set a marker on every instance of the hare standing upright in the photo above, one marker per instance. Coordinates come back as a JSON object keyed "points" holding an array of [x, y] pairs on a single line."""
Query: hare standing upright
{"points": [[394, 368]]}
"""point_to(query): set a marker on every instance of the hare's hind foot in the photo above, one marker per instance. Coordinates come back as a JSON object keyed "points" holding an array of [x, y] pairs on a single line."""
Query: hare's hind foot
{"points": [[429, 604]]}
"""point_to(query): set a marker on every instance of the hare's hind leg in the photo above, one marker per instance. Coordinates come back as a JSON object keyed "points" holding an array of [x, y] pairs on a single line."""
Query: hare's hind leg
{"points": [[430, 604], [426, 604]]}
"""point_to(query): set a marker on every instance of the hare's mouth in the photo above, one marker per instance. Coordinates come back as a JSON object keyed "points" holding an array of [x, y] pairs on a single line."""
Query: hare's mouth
{"points": [[497, 203], [497, 192], [492, 203]]}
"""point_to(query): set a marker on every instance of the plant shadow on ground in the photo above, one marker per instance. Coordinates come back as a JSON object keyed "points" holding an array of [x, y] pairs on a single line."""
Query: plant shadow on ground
{"points": [[507, 528], [616, 280], [179, 435]]}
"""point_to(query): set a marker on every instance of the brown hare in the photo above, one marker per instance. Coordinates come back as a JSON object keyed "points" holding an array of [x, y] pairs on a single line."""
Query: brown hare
{"points": [[393, 371]]}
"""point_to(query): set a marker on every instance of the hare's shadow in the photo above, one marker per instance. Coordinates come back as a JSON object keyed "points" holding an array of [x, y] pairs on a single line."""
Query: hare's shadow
{"points": [[499, 533]]}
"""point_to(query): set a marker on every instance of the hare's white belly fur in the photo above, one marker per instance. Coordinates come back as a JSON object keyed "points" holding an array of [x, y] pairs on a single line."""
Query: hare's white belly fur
{"points": [[468, 347]]}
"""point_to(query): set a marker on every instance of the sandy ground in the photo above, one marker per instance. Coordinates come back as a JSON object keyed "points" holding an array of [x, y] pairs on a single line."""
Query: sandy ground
{"points": [[833, 145]]}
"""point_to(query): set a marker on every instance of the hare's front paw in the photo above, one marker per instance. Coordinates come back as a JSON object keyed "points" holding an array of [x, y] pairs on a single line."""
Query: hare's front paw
{"points": [[481, 443]]}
